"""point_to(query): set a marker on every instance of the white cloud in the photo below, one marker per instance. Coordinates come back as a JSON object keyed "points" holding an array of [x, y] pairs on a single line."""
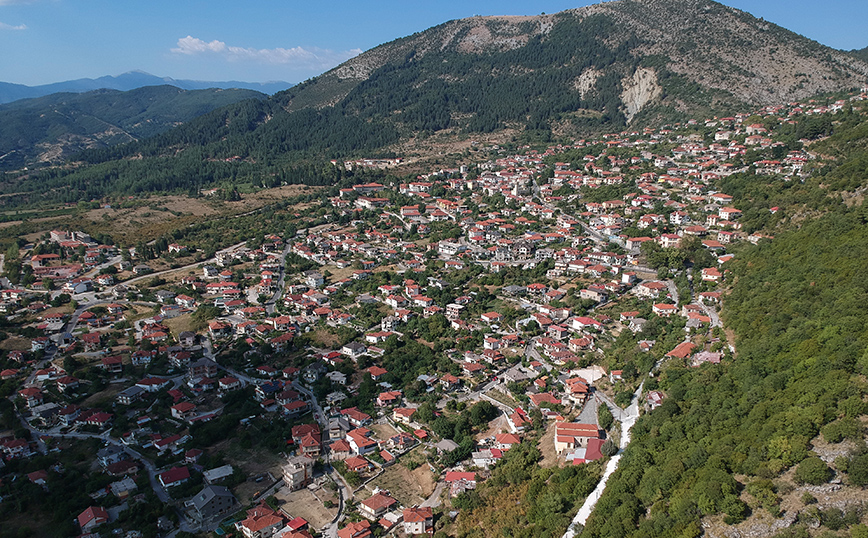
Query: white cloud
{"points": [[193, 45], [296, 56], [4, 26]]}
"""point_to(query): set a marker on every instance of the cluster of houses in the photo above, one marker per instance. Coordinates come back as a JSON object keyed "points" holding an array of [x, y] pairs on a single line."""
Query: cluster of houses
{"points": [[499, 219]]}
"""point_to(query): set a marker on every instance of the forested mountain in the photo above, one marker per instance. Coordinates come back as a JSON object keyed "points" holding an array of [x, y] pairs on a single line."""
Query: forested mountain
{"points": [[126, 82], [600, 67], [51, 128]]}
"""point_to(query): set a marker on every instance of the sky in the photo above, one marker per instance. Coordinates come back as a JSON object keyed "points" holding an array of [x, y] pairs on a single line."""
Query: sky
{"points": [[44, 41]]}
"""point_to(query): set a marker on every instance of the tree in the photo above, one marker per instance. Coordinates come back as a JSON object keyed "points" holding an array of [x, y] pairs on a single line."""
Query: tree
{"points": [[813, 471], [609, 448], [857, 469], [604, 417]]}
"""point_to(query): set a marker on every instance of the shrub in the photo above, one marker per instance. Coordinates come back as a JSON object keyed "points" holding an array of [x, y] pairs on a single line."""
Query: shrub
{"points": [[814, 471]]}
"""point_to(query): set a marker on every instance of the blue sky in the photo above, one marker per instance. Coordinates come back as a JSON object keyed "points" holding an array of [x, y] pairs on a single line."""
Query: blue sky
{"points": [[44, 41]]}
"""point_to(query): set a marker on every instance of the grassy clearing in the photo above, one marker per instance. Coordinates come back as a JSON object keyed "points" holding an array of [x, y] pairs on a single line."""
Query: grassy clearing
{"points": [[408, 487], [308, 505], [184, 322]]}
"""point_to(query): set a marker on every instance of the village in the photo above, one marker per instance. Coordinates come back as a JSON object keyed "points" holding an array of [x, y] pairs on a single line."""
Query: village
{"points": [[356, 378]]}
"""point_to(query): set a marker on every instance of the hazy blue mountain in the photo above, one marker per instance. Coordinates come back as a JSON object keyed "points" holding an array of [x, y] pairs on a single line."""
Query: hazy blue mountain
{"points": [[128, 81]]}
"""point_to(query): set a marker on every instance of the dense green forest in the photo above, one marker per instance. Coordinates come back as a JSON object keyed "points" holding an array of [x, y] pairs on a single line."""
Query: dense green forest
{"points": [[100, 118], [801, 357]]}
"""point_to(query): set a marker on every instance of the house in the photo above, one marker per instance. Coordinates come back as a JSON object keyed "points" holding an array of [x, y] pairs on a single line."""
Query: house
{"points": [[153, 384], [174, 476], [571, 435], [32, 396], [203, 367], [212, 476], [261, 522], [505, 441], [228, 383], [360, 442], [295, 409], [358, 464], [130, 395], [356, 417], [340, 450], [354, 350], [187, 339], [664, 309], [388, 398], [403, 415], [211, 502], [113, 365], [711, 274], [651, 289], [110, 454], [93, 516], [184, 410], [359, 529], [418, 520], [449, 382], [337, 377], [377, 505], [298, 472], [69, 414], [654, 399], [492, 317], [66, 383], [487, 457], [123, 488], [682, 350]]}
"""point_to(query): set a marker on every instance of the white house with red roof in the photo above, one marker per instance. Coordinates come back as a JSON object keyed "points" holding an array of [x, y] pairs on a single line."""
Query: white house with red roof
{"points": [[92, 517]]}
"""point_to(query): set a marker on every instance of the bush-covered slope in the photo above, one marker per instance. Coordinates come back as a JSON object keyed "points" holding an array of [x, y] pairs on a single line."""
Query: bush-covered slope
{"points": [[802, 336]]}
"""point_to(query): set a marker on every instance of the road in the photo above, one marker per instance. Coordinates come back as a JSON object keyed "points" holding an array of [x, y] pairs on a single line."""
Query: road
{"points": [[105, 438], [627, 418], [270, 304], [711, 313], [673, 290], [433, 501], [188, 266]]}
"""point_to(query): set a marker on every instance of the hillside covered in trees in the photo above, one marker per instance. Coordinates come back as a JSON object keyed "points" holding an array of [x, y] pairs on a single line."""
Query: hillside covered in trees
{"points": [[52, 128], [593, 69]]}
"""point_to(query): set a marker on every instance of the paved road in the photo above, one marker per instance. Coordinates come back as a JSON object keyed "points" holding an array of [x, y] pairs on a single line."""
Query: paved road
{"points": [[270, 304], [188, 266], [673, 290], [627, 419], [712, 313], [433, 501]]}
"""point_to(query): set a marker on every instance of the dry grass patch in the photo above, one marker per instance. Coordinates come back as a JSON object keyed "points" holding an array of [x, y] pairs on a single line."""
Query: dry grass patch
{"points": [[547, 448], [309, 505], [325, 338], [106, 395], [338, 273], [408, 487], [15, 343], [498, 425], [383, 431], [184, 322]]}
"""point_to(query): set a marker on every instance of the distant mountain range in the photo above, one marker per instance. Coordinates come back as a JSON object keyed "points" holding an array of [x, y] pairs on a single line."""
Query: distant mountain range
{"points": [[52, 128], [128, 81]]}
